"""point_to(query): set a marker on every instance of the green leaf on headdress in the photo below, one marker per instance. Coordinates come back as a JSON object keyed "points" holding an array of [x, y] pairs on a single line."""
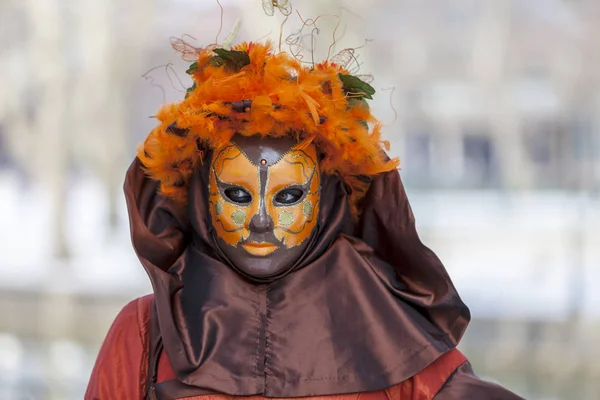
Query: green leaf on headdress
{"points": [[356, 87], [193, 68], [190, 90], [230, 59], [358, 101]]}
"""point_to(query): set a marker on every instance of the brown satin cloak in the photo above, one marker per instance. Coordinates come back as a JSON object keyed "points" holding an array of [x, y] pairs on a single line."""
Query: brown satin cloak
{"points": [[121, 368], [367, 306]]}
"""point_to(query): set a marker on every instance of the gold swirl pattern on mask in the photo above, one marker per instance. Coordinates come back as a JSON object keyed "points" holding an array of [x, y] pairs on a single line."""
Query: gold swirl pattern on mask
{"points": [[231, 220], [297, 168]]}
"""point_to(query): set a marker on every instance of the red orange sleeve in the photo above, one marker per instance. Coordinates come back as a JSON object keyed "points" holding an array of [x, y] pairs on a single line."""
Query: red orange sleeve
{"points": [[464, 384], [425, 384], [121, 365]]}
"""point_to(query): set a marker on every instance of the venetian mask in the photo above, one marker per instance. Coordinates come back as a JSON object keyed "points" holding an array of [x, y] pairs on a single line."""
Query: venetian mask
{"points": [[264, 202]]}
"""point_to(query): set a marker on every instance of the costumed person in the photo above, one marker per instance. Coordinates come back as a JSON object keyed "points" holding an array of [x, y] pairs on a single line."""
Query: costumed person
{"points": [[281, 248]]}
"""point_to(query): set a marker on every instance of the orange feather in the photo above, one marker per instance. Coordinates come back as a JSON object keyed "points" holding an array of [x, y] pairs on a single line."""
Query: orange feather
{"points": [[287, 99]]}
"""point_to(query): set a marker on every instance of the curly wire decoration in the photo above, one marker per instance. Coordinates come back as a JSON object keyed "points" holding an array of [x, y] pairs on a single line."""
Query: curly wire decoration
{"points": [[313, 22], [392, 89], [188, 52], [169, 71], [221, 22], [169, 67], [347, 58], [296, 41], [281, 31], [295, 44], [312, 44], [146, 76]]}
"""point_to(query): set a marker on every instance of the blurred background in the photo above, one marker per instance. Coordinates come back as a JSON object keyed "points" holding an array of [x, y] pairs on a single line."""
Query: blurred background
{"points": [[493, 107]]}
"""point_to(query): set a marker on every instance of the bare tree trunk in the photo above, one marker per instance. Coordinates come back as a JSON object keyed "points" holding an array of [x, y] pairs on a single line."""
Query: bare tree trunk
{"points": [[17, 127], [15, 69], [127, 67], [113, 56], [489, 60], [51, 149], [97, 140]]}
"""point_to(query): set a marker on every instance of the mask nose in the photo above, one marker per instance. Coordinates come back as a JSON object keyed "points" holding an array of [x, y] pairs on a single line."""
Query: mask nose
{"points": [[261, 222]]}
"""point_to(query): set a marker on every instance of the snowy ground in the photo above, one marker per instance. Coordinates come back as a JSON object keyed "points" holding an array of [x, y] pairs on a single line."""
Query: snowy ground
{"points": [[530, 255]]}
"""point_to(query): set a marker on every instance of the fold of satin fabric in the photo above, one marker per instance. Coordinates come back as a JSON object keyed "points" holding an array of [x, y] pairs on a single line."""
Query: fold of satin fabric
{"points": [[121, 370], [366, 307]]}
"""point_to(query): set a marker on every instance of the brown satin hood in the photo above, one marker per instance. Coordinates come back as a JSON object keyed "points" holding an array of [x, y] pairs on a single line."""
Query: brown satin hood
{"points": [[366, 307]]}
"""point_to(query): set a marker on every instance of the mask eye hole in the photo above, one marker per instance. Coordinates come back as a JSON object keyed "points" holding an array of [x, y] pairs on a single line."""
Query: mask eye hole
{"points": [[288, 196], [238, 195]]}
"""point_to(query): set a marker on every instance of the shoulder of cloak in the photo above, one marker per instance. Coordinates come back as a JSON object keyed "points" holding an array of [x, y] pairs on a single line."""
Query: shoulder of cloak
{"points": [[121, 366], [430, 380]]}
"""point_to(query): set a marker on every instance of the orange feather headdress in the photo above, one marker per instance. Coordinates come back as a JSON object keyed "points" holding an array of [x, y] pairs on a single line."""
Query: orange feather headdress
{"points": [[251, 90]]}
